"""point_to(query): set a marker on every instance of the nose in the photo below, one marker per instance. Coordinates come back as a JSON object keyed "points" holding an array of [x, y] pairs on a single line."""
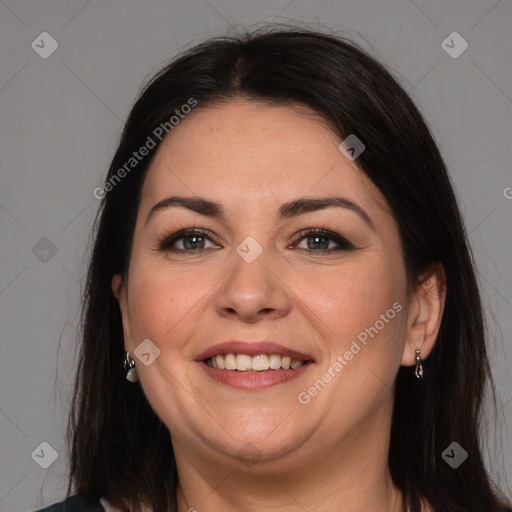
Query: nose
{"points": [[253, 292]]}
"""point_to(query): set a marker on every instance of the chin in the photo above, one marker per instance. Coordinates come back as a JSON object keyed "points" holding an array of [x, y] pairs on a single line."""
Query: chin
{"points": [[264, 450]]}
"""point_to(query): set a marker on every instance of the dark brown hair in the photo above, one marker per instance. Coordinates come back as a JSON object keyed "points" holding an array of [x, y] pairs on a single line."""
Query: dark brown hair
{"points": [[119, 448]]}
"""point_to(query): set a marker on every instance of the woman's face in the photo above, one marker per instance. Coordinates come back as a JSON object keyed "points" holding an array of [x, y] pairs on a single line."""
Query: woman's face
{"points": [[259, 184]]}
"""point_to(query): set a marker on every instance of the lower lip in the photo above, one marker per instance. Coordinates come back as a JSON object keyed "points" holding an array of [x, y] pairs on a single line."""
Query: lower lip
{"points": [[253, 380]]}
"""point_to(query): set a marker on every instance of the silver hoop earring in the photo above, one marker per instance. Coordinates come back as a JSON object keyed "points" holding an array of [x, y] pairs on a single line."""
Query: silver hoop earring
{"points": [[129, 367], [418, 371]]}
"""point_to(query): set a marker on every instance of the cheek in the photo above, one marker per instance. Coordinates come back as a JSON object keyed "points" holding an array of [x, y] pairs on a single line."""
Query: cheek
{"points": [[355, 303], [161, 298], [362, 308]]}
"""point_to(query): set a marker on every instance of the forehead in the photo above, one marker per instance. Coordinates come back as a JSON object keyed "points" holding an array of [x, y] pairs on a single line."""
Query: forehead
{"points": [[251, 152]]}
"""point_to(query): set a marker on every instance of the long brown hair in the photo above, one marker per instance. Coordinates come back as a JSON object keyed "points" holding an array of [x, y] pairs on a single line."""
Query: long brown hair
{"points": [[119, 448]]}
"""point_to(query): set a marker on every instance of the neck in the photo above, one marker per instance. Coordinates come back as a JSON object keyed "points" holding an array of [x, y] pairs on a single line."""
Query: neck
{"points": [[232, 495], [352, 476]]}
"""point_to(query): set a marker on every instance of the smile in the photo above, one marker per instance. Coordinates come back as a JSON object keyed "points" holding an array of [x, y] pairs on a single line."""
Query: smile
{"points": [[258, 363], [253, 365]]}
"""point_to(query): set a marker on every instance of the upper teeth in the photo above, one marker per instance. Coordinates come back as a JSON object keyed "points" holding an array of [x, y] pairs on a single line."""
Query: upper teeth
{"points": [[259, 363]]}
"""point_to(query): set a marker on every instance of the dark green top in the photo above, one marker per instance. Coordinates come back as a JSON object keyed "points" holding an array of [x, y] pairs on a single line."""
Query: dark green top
{"points": [[75, 504], [85, 504]]}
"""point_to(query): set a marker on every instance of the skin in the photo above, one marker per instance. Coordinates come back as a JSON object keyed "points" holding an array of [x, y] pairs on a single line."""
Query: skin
{"points": [[241, 450]]}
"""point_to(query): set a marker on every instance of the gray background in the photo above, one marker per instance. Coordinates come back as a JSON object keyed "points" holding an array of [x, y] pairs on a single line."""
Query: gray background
{"points": [[60, 120]]}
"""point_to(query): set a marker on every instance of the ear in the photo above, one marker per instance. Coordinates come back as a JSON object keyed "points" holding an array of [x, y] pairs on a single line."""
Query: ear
{"points": [[116, 285], [121, 294], [426, 306]]}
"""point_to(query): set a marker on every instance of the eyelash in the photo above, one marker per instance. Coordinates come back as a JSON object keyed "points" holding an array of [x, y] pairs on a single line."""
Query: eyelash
{"points": [[166, 243], [342, 242]]}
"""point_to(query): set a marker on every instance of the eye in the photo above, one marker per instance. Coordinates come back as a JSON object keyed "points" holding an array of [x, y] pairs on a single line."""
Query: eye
{"points": [[322, 241], [187, 240]]}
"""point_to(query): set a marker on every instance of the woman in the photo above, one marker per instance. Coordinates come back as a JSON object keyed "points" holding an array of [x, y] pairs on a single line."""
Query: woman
{"points": [[281, 309]]}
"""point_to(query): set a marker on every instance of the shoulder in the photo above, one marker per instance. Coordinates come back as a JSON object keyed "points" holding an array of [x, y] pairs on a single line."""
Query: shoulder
{"points": [[75, 504]]}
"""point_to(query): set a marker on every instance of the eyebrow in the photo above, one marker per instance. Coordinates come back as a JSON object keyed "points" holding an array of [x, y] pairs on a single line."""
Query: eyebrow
{"points": [[196, 204], [287, 210], [306, 205]]}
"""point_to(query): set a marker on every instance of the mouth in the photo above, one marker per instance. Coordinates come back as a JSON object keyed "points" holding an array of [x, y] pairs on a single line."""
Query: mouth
{"points": [[252, 366], [259, 363]]}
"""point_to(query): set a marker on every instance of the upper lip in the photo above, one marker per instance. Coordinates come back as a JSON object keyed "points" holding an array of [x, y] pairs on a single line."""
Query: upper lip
{"points": [[253, 348]]}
